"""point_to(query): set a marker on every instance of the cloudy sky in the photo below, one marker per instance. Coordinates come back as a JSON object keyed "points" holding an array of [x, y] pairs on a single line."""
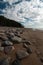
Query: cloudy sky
{"points": [[27, 12]]}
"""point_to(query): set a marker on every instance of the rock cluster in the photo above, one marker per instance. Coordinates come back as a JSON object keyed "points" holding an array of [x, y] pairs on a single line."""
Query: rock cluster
{"points": [[8, 43]]}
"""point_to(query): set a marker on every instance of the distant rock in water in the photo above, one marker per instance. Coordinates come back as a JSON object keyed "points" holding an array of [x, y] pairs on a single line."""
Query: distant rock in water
{"points": [[10, 23]]}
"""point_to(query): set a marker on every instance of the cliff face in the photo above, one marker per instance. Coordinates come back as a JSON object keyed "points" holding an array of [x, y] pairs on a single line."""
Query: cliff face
{"points": [[10, 23]]}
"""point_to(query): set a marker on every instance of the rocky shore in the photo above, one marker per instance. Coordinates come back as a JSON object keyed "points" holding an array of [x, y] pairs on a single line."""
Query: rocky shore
{"points": [[21, 46]]}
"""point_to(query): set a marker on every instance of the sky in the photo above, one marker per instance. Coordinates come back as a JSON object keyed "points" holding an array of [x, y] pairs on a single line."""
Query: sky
{"points": [[27, 12]]}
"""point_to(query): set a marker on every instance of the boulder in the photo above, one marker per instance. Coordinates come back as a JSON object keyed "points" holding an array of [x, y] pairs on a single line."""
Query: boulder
{"points": [[21, 54], [8, 49], [7, 43]]}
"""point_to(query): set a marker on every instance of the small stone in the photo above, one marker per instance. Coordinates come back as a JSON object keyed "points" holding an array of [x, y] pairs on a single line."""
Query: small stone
{"points": [[16, 62], [4, 62], [11, 34], [8, 49], [7, 43], [41, 59], [29, 50], [27, 42], [25, 45], [16, 34], [21, 54]]}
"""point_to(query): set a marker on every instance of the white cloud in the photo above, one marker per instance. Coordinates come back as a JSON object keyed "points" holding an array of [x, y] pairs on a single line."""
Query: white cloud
{"points": [[27, 12]]}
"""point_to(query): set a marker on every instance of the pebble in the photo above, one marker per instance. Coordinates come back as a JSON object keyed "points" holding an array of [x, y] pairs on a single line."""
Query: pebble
{"points": [[7, 43], [27, 42], [29, 50], [21, 54], [25, 45], [16, 34], [16, 62], [8, 49]]}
